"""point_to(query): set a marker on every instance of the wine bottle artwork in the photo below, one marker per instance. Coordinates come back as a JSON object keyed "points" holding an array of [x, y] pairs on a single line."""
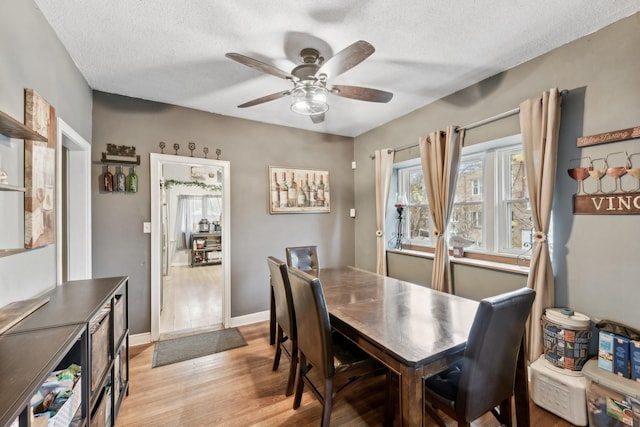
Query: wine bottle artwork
{"points": [[298, 190]]}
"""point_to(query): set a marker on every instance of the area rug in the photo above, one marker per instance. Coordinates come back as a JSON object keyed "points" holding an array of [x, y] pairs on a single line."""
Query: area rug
{"points": [[190, 347]]}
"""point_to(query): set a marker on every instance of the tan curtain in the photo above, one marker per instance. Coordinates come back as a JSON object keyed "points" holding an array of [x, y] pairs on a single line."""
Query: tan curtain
{"points": [[384, 170], [540, 124], [440, 155]]}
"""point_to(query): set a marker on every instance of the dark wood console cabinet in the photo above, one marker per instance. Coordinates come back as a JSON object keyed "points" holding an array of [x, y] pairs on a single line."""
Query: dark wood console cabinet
{"points": [[85, 322]]}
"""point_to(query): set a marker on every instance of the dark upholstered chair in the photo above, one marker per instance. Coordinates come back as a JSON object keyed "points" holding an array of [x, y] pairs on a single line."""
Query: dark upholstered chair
{"points": [[338, 362], [303, 258], [285, 317], [485, 378]]}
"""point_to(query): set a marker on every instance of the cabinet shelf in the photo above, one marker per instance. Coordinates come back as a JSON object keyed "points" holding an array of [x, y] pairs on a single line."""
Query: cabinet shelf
{"points": [[211, 244], [14, 129]]}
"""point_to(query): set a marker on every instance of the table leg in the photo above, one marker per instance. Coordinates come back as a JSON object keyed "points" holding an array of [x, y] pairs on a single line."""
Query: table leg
{"points": [[272, 318], [412, 398], [521, 388]]}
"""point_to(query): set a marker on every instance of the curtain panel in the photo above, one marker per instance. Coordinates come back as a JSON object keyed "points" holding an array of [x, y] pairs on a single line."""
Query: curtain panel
{"points": [[540, 125], [440, 156], [384, 170]]}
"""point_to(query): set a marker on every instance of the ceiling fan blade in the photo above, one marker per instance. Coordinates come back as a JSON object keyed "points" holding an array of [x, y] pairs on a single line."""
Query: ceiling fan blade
{"points": [[362, 93], [346, 59], [260, 66], [267, 98], [317, 118]]}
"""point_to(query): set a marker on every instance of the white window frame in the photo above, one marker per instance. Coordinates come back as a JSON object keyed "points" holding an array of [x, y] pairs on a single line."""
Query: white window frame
{"points": [[496, 156]]}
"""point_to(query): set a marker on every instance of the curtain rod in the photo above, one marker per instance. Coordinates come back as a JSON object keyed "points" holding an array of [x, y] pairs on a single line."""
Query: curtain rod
{"points": [[472, 125]]}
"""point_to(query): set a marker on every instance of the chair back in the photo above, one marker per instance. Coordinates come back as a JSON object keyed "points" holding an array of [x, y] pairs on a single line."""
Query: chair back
{"points": [[312, 320], [489, 363], [304, 258], [285, 312]]}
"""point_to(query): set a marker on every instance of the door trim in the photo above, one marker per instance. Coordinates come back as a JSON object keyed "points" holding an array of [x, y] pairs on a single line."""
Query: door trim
{"points": [[78, 209], [156, 161]]}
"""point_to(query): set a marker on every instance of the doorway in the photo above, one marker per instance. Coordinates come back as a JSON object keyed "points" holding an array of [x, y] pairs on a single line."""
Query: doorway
{"points": [[190, 235]]}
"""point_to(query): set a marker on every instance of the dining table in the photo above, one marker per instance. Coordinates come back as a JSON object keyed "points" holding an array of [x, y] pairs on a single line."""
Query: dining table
{"points": [[413, 330]]}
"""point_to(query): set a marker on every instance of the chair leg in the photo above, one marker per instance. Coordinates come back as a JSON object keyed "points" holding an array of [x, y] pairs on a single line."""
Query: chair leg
{"points": [[293, 368], [276, 360], [505, 412], [302, 366], [327, 402]]}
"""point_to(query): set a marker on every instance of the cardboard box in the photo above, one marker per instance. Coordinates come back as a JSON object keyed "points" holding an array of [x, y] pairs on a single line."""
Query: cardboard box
{"points": [[621, 356], [634, 356], [605, 351]]}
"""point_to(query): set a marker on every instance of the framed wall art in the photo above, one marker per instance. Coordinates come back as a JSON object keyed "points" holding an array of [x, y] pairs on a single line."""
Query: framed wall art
{"points": [[298, 190], [39, 172]]}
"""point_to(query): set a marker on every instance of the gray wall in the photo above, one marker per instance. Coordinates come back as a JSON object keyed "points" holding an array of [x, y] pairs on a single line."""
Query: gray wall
{"points": [[595, 257], [33, 57], [120, 247]]}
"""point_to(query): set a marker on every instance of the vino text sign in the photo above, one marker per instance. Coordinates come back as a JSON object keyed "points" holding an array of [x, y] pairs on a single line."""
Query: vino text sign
{"points": [[617, 135], [607, 204]]}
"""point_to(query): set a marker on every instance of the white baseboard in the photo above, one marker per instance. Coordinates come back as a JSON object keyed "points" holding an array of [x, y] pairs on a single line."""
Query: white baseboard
{"points": [[250, 318], [145, 338], [140, 339]]}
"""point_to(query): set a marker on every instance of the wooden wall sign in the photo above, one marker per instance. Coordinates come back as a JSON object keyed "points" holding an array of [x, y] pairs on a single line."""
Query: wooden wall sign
{"points": [[607, 204], [602, 138]]}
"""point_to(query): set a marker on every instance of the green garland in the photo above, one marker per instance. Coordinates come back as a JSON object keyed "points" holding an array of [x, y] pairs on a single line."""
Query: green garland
{"points": [[211, 187]]}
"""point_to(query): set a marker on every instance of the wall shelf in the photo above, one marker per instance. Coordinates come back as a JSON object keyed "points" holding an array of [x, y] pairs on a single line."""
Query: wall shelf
{"points": [[14, 129]]}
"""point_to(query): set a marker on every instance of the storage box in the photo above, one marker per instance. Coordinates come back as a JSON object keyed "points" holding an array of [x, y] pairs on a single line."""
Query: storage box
{"points": [[118, 317], [634, 356], [612, 401], [605, 351], [99, 329], [621, 356], [559, 391]]}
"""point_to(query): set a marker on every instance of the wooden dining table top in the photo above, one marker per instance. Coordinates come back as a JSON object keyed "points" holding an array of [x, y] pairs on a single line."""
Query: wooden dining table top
{"points": [[413, 324]]}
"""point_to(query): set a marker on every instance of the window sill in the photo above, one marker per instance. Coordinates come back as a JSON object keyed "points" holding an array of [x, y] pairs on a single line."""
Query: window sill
{"points": [[491, 265]]}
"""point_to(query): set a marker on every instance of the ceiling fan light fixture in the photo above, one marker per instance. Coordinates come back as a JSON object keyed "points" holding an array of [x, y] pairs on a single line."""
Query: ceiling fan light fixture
{"points": [[309, 100]]}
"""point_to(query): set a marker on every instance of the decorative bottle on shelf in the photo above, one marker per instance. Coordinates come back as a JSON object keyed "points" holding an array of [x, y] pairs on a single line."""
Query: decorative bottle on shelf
{"points": [[284, 191], [293, 192], [275, 191], [108, 181], [320, 198], [120, 180], [133, 181]]}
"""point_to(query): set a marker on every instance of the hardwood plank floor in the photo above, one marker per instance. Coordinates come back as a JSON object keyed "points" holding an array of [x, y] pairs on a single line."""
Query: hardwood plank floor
{"points": [[192, 300], [238, 388]]}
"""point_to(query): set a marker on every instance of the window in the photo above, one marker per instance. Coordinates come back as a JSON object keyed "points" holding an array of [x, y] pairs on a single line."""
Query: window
{"points": [[491, 211], [417, 218]]}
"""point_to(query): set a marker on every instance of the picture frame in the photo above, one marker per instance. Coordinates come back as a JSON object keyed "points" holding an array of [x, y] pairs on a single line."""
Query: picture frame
{"points": [[39, 173], [305, 190]]}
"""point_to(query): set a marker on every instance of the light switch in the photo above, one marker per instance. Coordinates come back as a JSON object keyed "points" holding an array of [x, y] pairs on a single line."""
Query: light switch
{"points": [[146, 227], [352, 213]]}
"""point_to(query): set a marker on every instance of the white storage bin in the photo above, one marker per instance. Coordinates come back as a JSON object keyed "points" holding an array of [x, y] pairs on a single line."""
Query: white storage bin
{"points": [[559, 391], [613, 401]]}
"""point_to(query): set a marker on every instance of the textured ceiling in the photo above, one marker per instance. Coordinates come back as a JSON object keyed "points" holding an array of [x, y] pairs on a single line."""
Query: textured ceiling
{"points": [[173, 51]]}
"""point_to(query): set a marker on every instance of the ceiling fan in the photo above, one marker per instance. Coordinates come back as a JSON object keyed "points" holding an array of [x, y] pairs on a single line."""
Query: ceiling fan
{"points": [[310, 78]]}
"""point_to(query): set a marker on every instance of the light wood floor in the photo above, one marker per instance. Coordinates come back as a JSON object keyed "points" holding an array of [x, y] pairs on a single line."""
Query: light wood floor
{"points": [[238, 388], [192, 299]]}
